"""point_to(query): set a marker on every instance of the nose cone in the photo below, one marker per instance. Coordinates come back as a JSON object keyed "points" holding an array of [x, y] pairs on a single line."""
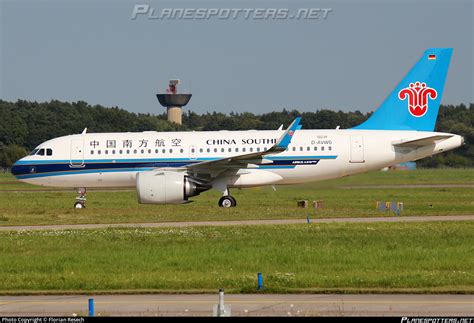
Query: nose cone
{"points": [[15, 168], [19, 169]]}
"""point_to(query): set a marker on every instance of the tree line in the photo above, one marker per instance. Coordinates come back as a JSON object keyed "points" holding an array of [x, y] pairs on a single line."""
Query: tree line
{"points": [[25, 124]]}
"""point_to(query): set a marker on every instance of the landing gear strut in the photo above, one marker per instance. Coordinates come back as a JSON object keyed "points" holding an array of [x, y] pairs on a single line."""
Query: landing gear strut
{"points": [[227, 201], [81, 199]]}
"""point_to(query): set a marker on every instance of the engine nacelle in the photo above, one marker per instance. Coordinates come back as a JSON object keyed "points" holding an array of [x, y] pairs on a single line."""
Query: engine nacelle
{"points": [[166, 187]]}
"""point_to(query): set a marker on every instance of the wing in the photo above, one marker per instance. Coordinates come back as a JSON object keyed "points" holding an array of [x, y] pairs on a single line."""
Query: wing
{"points": [[421, 141], [239, 161]]}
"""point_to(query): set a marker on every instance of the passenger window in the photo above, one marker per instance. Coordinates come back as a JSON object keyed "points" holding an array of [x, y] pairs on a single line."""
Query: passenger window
{"points": [[315, 148], [120, 151], [200, 150], [163, 151], [301, 148], [113, 151], [237, 150], [135, 151], [251, 149], [322, 148], [149, 151], [308, 148], [156, 151], [142, 151], [181, 150], [128, 151], [193, 150], [106, 151], [294, 148], [243, 149], [230, 150], [171, 151], [98, 152], [329, 148], [92, 152], [258, 148], [208, 150], [215, 150], [49, 152]]}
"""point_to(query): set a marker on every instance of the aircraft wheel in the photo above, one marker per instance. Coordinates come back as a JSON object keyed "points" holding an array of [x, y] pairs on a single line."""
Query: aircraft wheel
{"points": [[227, 201], [234, 201], [79, 205]]}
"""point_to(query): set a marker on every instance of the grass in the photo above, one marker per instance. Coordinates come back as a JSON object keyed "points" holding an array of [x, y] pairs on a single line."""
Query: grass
{"points": [[22, 204], [378, 257]]}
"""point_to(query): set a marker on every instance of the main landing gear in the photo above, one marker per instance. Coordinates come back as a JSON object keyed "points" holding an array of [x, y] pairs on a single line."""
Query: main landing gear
{"points": [[227, 201], [81, 199]]}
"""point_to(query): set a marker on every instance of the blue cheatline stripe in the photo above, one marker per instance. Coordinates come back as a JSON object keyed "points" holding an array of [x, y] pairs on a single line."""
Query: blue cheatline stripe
{"points": [[84, 171], [277, 167], [301, 157], [148, 160], [136, 169], [32, 169], [117, 160]]}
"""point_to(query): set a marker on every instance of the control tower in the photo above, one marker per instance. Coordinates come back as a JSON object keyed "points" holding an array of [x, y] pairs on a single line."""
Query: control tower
{"points": [[174, 102]]}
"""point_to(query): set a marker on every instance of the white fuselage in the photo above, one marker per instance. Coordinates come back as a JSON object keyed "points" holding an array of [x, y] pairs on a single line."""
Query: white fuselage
{"points": [[114, 159]]}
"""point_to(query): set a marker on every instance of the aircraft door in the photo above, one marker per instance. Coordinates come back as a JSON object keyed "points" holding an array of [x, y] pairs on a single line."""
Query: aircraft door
{"points": [[357, 149], [77, 153]]}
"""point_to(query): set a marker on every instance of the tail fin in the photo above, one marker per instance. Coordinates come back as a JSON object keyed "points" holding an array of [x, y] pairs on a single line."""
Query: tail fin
{"points": [[414, 103]]}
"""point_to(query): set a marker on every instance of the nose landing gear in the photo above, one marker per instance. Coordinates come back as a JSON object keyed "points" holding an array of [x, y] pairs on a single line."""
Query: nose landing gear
{"points": [[81, 199]]}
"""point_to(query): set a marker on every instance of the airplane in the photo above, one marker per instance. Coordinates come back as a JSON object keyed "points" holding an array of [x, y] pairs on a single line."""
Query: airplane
{"points": [[171, 167]]}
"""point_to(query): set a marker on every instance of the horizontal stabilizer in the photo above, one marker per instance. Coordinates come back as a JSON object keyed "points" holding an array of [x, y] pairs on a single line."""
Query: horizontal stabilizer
{"points": [[421, 142]]}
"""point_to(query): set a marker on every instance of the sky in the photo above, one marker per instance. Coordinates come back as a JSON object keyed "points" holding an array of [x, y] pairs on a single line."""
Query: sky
{"points": [[94, 51]]}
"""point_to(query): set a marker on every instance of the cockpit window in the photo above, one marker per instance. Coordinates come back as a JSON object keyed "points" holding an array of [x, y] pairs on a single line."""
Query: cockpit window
{"points": [[42, 152]]}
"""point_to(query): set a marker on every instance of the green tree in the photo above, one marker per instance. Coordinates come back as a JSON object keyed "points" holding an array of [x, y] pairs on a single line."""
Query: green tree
{"points": [[10, 154]]}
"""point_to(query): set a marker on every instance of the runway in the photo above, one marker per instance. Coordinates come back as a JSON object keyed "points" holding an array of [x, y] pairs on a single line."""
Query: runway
{"points": [[243, 222], [242, 305], [408, 186]]}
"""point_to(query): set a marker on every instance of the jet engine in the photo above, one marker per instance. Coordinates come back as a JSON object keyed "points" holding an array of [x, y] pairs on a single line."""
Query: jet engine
{"points": [[167, 187]]}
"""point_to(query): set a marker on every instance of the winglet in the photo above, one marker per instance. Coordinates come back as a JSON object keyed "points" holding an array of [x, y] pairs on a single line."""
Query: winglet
{"points": [[285, 139]]}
